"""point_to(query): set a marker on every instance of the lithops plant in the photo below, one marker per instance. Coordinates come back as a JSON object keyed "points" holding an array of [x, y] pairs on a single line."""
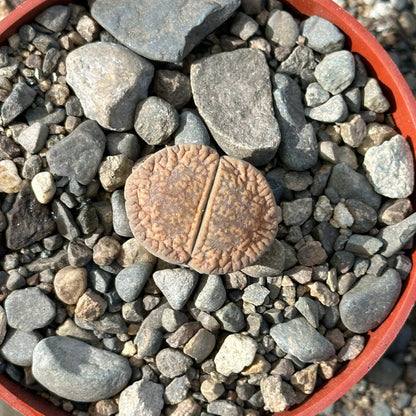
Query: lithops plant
{"points": [[188, 205]]}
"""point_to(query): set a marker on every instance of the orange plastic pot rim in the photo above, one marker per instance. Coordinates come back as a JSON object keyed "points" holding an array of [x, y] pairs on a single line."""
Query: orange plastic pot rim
{"points": [[403, 109]]}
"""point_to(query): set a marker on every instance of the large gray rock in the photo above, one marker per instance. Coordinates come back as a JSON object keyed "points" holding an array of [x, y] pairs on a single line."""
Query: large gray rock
{"points": [[160, 30], [232, 92], [298, 148], [299, 338], [369, 302], [79, 154], [77, 371], [108, 94]]}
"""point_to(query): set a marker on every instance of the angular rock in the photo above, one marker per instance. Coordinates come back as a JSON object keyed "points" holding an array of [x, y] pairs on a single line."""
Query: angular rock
{"points": [[373, 98], [78, 155], [242, 121], [282, 29], [21, 97], [278, 395], [77, 371], [365, 217], [200, 345], [296, 212], [299, 338], [210, 294], [390, 168], [370, 301], [363, 245], [162, 31], [108, 95], [173, 86], [28, 221], [132, 279], [298, 149], [309, 309], [10, 180], [18, 346], [54, 18], [335, 110], [113, 171], [255, 294], [65, 221], [34, 137], [315, 95], [191, 129]]}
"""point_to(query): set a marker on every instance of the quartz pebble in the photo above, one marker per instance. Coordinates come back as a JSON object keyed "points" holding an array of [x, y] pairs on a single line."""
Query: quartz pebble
{"points": [[10, 180], [43, 187], [70, 283]]}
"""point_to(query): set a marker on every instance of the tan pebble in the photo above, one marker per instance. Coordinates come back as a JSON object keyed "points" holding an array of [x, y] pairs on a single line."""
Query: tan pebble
{"points": [[105, 251], [90, 306], [114, 171], [327, 368], [43, 187], [129, 349], [10, 180], [57, 94], [106, 407], [188, 407], [305, 379], [70, 283], [211, 389], [259, 365], [133, 252], [277, 394]]}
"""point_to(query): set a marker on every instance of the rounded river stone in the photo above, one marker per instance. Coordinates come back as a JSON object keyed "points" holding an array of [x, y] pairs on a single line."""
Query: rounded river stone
{"points": [[77, 371], [187, 205]]}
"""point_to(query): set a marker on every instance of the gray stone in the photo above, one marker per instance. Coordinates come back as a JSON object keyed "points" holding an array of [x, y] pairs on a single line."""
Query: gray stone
{"points": [[176, 285], [77, 371], [70, 329], [64, 221], [54, 18], [275, 179], [363, 245], [162, 31], [300, 339], [34, 137], [335, 110], [352, 185], [3, 324], [18, 346], [271, 263], [42, 115], [396, 236], [231, 318], [106, 94], [336, 71], [327, 235], [223, 407], [155, 120], [365, 217], [28, 309], [172, 363], [142, 398], [131, 280], [210, 294], [322, 35], [120, 221], [243, 26], [390, 168], [241, 121], [148, 341], [191, 129], [28, 220], [55, 262], [354, 131], [370, 301], [78, 155], [173, 86], [255, 294], [50, 61], [124, 143], [172, 319], [15, 281], [315, 95], [177, 390], [352, 97], [309, 309], [298, 149], [392, 212], [21, 97], [373, 98], [282, 29], [200, 346], [183, 334], [300, 59], [297, 212]]}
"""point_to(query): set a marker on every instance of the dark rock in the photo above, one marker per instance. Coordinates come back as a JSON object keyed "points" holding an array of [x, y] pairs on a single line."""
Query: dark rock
{"points": [[21, 97]]}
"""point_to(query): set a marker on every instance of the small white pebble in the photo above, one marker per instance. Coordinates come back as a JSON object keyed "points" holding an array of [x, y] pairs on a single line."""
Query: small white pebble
{"points": [[43, 187]]}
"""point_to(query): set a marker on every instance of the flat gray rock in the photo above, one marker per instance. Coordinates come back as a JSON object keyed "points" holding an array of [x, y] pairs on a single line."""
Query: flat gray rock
{"points": [[176, 284], [108, 95], [160, 30], [363, 245], [368, 303], [232, 92], [132, 279], [352, 185], [298, 148], [77, 371], [390, 167], [142, 398], [335, 110], [28, 309], [191, 129], [79, 154], [18, 346], [299, 338]]}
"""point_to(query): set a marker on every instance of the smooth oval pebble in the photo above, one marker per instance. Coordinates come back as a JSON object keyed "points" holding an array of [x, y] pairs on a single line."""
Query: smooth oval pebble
{"points": [[187, 205], [369, 302], [43, 187], [77, 371]]}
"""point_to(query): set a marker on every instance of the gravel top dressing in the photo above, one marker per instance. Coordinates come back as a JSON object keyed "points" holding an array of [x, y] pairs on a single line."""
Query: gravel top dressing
{"points": [[204, 207]]}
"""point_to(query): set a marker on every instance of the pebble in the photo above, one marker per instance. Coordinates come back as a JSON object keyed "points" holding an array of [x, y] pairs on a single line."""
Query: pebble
{"points": [[70, 283], [105, 251], [131, 280], [200, 346], [373, 98], [390, 168], [113, 171], [211, 389], [335, 110], [305, 379], [187, 407], [278, 395], [311, 254], [175, 29], [322, 36], [172, 363], [231, 317], [298, 149], [297, 212], [10, 181], [233, 119], [88, 28], [65, 222], [123, 143], [177, 390], [336, 71], [376, 134], [176, 285], [70, 329], [393, 212], [363, 245], [183, 334], [243, 26], [315, 95], [43, 187], [28, 309], [236, 352], [173, 86], [18, 346], [3, 324], [365, 217], [282, 29], [155, 120], [368, 303], [255, 294], [172, 319], [191, 129], [354, 131], [223, 407], [33, 138], [90, 306], [300, 339], [148, 341], [89, 375], [106, 97], [352, 348], [54, 18], [309, 309], [132, 251], [78, 155], [210, 294]]}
